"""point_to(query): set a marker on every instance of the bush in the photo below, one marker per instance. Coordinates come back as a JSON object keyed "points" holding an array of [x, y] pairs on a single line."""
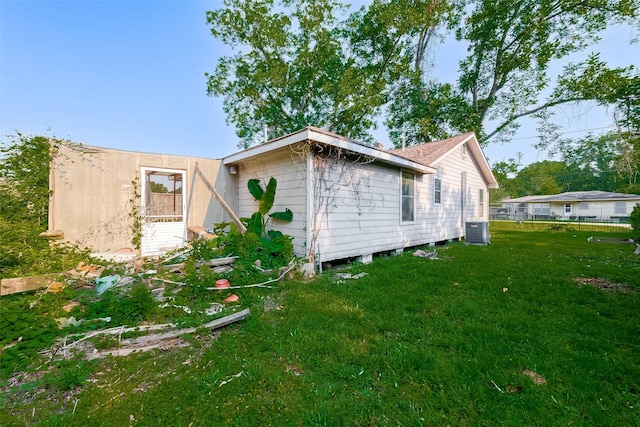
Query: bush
{"points": [[634, 219]]}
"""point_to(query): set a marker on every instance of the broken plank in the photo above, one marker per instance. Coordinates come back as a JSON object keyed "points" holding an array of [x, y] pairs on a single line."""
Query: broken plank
{"points": [[150, 342], [213, 325], [24, 284]]}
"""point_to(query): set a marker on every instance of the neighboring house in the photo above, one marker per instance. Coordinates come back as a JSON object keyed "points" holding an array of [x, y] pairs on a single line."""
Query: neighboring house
{"points": [[348, 199], [582, 205]]}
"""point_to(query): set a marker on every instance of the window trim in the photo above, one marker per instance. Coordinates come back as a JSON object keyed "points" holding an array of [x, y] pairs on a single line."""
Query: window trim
{"points": [[146, 195], [411, 196], [481, 202], [437, 191]]}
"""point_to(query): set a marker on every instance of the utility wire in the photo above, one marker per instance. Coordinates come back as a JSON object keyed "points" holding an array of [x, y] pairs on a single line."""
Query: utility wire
{"points": [[563, 133]]}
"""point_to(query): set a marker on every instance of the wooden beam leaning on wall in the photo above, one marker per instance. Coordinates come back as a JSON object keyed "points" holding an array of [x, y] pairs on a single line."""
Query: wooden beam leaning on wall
{"points": [[222, 202]]}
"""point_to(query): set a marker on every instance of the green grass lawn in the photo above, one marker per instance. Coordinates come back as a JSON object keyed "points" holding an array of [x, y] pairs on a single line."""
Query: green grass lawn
{"points": [[485, 335]]}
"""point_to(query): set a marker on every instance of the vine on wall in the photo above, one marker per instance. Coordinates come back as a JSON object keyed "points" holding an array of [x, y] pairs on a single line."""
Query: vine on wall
{"points": [[135, 213], [334, 170]]}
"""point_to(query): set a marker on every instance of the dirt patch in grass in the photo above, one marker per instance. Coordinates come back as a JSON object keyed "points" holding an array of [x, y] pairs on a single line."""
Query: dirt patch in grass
{"points": [[603, 284], [537, 378]]}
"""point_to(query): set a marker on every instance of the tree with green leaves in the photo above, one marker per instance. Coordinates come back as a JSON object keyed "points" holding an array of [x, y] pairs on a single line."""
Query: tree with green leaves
{"points": [[511, 45], [24, 184], [24, 179], [299, 64], [292, 70]]}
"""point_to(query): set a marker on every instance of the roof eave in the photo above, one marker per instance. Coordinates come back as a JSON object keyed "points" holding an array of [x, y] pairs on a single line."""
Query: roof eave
{"points": [[310, 134], [490, 179]]}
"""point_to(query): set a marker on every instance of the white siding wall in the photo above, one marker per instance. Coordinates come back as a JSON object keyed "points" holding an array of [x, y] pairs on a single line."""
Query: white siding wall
{"points": [[289, 169], [450, 170], [358, 207], [601, 210]]}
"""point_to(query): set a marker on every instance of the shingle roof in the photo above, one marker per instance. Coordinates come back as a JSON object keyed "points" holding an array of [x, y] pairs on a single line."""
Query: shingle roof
{"points": [[575, 196], [429, 152]]}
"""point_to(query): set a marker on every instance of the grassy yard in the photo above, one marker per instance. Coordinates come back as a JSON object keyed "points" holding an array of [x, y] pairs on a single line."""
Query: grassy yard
{"points": [[538, 328]]}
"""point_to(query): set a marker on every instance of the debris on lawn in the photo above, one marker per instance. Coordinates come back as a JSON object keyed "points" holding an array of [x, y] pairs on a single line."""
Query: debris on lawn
{"points": [[514, 388], [24, 284], [603, 284], [422, 254], [613, 240], [139, 344], [231, 298], [65, 322], [227, 381], [271, 304], [637, 251], [346, 276], [108, 282]]}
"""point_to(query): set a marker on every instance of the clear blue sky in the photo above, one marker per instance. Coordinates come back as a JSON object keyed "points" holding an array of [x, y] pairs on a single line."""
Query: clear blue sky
{"points": [[130, 75]]}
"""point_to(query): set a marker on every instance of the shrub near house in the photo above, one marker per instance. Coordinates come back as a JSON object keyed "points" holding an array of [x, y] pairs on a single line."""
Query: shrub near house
{"points": [[634, 219]]}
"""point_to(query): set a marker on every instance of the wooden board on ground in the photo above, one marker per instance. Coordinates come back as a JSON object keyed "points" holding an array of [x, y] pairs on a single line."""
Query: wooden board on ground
{"points": [[24, 284]]}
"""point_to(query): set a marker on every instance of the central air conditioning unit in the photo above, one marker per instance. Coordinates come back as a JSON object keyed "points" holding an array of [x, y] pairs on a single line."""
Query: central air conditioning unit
{"points": [[477, 232]]}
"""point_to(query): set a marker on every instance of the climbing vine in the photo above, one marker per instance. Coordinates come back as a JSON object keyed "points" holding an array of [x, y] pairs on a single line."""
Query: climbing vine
{"points": [[135, 213], [334, 170]]}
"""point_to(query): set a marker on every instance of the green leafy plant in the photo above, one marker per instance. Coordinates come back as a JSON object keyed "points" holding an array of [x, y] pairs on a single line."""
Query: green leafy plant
{"points": [[258, 222], [135, 214]]}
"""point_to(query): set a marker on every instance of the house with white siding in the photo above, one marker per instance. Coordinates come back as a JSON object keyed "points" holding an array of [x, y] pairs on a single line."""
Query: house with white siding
{"points": [[575, 205], [354, 200], [348, 199]]}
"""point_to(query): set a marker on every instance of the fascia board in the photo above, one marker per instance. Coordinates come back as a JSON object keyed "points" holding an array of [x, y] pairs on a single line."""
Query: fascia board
{"points": [[323, 138], [479, 156]]}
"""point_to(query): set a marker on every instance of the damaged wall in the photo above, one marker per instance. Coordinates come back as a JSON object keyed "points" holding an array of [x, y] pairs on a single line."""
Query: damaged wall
{"points": [[96, 193]]}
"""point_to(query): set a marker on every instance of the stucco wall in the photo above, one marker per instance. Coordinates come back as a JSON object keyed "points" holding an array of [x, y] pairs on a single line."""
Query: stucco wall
{"points": [[93, 193]]}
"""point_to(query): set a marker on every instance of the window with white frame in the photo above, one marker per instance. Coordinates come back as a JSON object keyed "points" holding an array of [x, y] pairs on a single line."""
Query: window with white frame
{"points": [[567, 208], [437, 191], [408, 196], [583, 206], [481, 203], [620, 208]]}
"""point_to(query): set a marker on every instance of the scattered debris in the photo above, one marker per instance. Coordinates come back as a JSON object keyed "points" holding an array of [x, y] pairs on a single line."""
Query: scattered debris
{"points": [[514, 388], [537, 378], [496, 386], [290, 267], [199, 232], [108, 282], [142, 343], [221, 264], [222, 284], [603, 284], [637, 251], [422, 254], [65, 322], [68, 307], [55, 287], [505, 289], [216, 307], [613, 240], [223, 382], [231, 298], [183, 307], [24, 284], [346, 276]]}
